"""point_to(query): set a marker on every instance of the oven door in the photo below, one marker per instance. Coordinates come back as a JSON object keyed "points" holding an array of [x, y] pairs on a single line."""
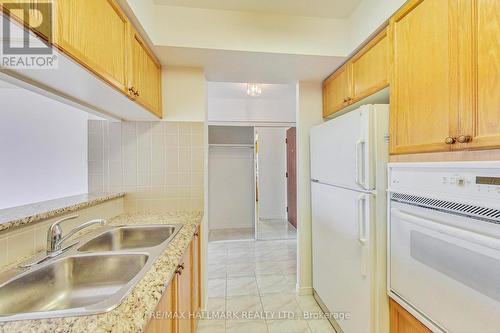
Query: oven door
{"points": [[448, 275]]}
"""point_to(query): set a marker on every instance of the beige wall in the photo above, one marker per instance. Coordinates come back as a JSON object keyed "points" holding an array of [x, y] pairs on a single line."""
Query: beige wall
{"points": [[309, 114], [158, 164], [184, 94], [26, 241]]}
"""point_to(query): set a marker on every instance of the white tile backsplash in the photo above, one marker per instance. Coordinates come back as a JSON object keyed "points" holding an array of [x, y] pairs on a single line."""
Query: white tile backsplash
{"points": [[160, 164], [26, 241]]}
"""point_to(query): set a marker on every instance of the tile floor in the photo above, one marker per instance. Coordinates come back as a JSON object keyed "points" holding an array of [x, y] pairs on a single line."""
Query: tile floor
{"points": [[275, 229], [231, 234], [257, 278], [266, 230]]}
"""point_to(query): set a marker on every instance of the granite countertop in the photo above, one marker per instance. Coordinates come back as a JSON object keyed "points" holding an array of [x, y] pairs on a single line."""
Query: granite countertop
{"points": [[18, 216], [133, 314]]}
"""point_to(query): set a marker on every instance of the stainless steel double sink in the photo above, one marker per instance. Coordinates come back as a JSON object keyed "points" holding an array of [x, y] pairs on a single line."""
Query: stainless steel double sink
{"points": [[92, 277]]}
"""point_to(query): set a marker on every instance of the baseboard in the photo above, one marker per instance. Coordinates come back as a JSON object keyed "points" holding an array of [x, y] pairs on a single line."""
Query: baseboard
{"points": [[325, 309], [304, 291]]}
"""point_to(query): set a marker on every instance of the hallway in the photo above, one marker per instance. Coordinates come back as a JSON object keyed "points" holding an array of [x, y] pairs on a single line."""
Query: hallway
{"points": [[254, 282]]}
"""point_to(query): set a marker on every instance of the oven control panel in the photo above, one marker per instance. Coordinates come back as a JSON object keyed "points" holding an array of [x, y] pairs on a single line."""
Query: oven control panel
{"points": [[468, 181]]}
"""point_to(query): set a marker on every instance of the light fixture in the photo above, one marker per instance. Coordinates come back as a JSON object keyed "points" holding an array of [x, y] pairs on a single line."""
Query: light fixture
{"points": [[254, 89]]}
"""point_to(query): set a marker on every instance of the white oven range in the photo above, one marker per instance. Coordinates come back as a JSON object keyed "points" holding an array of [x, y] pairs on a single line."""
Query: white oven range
{"points": [[444, 244]]}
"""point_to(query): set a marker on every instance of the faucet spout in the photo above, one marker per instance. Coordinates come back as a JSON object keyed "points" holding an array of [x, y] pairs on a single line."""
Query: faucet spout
{"points": [[54, 234], [81, 227]]}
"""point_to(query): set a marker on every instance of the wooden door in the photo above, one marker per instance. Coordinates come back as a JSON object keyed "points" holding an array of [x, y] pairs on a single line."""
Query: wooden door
{"points": [[145, 82], [96, 34], [336, 91], [403, 322], [35, 15], [291, 173], [424, 85], [480, 75], [184, 291], [370, 67], [196, 284], [167, 306]]}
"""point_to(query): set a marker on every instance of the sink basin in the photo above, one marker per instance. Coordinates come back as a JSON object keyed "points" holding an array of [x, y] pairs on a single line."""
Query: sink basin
{"points": [[130, 237], [94, 278], [73, 282]]}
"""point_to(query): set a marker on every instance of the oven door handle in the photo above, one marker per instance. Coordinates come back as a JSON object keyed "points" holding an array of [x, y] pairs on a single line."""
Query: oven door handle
{"points": [[476, 238]]}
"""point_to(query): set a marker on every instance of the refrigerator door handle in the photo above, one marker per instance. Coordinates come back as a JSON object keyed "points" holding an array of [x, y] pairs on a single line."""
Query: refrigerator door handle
{"points": [[360, 163], [362, 219]]}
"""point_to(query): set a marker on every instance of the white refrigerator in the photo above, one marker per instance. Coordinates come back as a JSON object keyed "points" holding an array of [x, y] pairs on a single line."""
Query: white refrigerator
{"points": [[348, 184]]}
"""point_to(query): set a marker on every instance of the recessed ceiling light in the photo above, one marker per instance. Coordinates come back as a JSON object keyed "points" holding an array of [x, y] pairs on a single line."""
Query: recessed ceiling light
{"points": [[254, 89]]}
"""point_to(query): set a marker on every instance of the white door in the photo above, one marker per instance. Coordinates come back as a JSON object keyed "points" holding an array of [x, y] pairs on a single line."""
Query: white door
{"points": [[341, 252], [448, 273], [340, 150]]}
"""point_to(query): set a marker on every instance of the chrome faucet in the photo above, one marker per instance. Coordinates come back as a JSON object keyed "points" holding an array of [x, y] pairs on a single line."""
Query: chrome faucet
{"points": [[55, 238]]}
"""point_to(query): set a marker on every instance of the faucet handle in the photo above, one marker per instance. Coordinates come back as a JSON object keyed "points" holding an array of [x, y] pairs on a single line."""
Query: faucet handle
{"points": [[54, 234]]}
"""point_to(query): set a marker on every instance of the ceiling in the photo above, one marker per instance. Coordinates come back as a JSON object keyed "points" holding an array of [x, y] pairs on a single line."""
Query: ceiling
{"points": [[241, 66], [337, 9]]}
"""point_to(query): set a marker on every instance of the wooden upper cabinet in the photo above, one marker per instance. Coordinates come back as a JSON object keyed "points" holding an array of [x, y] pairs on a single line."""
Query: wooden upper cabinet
{"points": [[480, 76], [96, 34], [364, 74], [370, 67], [145, 81], [34, 14], [337, 91], [424, 85]]}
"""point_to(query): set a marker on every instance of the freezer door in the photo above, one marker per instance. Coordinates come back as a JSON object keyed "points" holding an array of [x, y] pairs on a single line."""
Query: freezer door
{"points": [[341, 254], [341, 150]]}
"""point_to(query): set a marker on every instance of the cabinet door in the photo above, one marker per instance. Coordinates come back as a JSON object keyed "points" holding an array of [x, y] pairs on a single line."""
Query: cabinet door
{"points": [[370, 67], [184, 292], [424, 89], [480, 77], [196, 285], [38, 14], [146, 76], [167, 306], [96, 34], [403, 322], [336, 91]]}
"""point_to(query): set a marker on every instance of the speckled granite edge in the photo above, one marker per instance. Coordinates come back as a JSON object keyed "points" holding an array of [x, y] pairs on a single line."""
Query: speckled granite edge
{"points": [[19, 216], [133, 314]]}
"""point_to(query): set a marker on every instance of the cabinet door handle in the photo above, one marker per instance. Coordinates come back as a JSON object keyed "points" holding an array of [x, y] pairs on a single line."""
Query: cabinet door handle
{"points": [[136, 93], [132, 92], [450, 140], [464, 138], [179, 269]]}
